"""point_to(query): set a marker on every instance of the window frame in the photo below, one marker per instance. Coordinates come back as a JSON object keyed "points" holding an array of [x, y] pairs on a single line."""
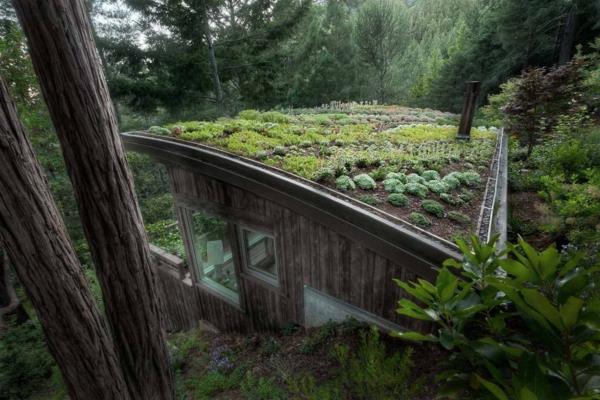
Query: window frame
{"points": [[197, 272], [254, 272]]}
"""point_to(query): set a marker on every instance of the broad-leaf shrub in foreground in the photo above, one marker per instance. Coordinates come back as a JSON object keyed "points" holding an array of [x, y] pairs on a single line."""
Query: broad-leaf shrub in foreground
{"points": [[523, 327]]}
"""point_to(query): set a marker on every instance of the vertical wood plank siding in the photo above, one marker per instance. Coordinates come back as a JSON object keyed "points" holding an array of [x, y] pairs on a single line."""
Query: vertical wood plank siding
{"points": [[308, 253]]}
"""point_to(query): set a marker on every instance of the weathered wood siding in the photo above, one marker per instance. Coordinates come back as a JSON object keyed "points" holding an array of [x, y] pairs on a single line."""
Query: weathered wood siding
{"points": [[308, 253]]}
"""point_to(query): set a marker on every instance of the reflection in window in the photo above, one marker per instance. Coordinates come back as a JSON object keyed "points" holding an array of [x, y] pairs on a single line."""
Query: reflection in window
{"points": [[260, 253], [156, 202], [214, 259]]}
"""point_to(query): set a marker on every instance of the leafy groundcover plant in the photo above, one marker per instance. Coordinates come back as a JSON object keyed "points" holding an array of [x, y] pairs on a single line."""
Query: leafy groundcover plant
{"points": [[525, 326]]}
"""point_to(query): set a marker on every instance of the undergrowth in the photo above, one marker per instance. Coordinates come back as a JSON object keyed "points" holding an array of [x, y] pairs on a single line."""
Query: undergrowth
{"points": [[360, 366]]}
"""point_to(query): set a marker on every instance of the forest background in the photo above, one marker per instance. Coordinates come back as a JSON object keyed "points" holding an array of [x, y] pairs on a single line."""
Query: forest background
{"points": [[169, 61]]}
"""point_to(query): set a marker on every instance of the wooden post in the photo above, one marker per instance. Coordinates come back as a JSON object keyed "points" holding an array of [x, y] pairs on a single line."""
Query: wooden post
{"points": [[466, 118]]}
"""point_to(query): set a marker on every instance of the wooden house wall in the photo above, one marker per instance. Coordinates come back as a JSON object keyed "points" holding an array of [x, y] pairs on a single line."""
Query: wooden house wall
{"points": [[308, 253]]}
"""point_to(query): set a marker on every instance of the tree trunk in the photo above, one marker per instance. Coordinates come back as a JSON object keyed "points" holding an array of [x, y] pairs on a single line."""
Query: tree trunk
{"points": [[567, 38], [36, 240], [381, 84], [72, 81], [213, 60], [10, 306]]}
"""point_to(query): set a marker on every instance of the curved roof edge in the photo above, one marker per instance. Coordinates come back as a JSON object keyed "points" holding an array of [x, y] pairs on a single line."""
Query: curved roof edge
{"points": [[381, 231]]}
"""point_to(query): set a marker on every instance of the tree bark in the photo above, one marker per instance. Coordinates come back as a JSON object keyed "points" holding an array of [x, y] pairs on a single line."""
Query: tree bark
{"points": [[73, 84], [567, 38], [36, 240], [213, 59], [10, 306], [381, 89], [468, 111]]}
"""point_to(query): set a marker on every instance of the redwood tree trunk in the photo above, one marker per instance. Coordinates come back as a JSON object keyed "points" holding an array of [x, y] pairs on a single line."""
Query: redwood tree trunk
{"points": [[36, 240], [66, 61]]}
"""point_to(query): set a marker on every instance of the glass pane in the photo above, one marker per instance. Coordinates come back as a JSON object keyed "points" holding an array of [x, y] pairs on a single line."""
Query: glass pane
{"points": [[260, 252], [156, 201], [213, 253]]}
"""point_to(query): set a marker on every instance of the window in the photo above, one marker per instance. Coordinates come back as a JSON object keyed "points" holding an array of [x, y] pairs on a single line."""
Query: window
{"points": [[213, 254], [259, 251]]}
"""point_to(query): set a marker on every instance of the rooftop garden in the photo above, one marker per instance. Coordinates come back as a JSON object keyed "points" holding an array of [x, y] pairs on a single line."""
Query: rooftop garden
{"points": [[406, 162]]}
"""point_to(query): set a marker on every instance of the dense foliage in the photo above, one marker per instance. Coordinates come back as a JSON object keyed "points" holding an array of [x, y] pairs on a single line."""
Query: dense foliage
{"points": [[305, 53], [361, 365], [379, 34], [25, 363], [523, 327], [506, 36], [559, 164]]}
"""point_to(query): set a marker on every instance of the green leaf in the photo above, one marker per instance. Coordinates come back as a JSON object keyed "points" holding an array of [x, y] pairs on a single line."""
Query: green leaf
{"points": [[493, 388], [467, 296], [452, 263], [497, 323], [468, 312], [573, 284], [490, 349], [591, 314], [410, 309], [449, 290], [445, 284], [514, 352], [493, 370], [515, 268], [415, 336], [530, 252], [527, 394], [447, 340], [416, 291], [531, 376], [571, 263], [416, 314], [585, 332], [427, 286], [432, 313], [489, 295], [593, 305], [536, 276], [540, 303], [549, 261], [569, 312], [521, 305], [464, 247]]}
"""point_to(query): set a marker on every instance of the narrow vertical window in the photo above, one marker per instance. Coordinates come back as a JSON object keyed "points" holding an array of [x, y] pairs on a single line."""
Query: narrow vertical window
{"points": [[259, 251], [213, 254]]}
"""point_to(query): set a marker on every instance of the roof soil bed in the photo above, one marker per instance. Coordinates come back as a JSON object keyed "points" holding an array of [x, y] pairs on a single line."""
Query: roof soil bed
{"points": [[416, 172]]}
